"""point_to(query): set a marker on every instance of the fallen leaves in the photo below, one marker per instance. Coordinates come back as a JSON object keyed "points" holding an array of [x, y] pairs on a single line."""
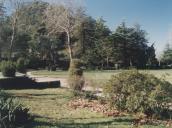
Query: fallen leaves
{"points": [[95, 106]]}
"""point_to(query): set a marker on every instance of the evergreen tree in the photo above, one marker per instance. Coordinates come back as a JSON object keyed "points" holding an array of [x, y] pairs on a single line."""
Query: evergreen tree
{"points": [[167, 55]]}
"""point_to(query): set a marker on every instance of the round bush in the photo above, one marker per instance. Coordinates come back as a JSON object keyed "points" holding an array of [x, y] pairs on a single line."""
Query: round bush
{"points": [[138, 92], [21, 65], [8, 69]]}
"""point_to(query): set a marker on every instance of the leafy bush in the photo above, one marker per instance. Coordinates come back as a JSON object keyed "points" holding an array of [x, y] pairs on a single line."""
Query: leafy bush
{"points": [[21, 65], [12, 114], [8, 68], [76, 80], [139, 92]]}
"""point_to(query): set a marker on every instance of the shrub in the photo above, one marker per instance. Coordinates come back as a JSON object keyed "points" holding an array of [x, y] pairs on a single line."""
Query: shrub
{"points": [[21, 65], [8, 69], [12, 113], [138, 92], [76, 80]]}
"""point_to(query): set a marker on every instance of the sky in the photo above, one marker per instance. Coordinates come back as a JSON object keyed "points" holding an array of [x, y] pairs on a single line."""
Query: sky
{"points": [[154, 16]]}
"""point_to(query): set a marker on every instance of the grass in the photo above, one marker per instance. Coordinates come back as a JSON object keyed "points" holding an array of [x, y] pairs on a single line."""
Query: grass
{"points": [[49, 107], [87, 74], [165, 73], [95, 78], [103, 76], [61, 74]]}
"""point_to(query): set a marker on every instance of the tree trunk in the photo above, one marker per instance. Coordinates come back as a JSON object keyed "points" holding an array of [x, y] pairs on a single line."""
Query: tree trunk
{"points": [[159, 63], [69, 46], [102, 66], [131, 64], [107, 62], [12, 38], [0, 55]]}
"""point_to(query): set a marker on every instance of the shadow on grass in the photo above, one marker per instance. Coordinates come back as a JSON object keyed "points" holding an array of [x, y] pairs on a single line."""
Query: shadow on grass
{"points": [[80, 122], [41, 96], [24, 82]]}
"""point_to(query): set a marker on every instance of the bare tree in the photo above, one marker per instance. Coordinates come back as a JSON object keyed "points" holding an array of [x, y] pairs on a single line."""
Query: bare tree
{"points": [[15, 6], [2, 11], [63, 18], [1, 8]]}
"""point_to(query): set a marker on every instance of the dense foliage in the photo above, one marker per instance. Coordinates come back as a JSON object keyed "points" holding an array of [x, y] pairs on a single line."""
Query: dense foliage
{"points": [[139, 92], [12, 113], [131, 47], [166, 59], [91, 41], [8, 68], [21, 65]]}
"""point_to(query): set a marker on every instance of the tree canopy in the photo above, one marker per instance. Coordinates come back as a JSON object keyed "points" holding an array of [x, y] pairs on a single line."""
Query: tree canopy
{"points": [[54, 34]]}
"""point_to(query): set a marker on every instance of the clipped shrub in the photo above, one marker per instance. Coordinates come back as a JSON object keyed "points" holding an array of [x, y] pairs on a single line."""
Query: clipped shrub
{"points": [[76, 80], [138, 92], [21, 65], [12, 113], [8, 68]]}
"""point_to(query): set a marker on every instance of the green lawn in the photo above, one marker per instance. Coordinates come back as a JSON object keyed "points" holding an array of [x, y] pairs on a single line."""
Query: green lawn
{"points": [[165, 73], [94, 78], [103, 76], [87, 74], [49, 107]]}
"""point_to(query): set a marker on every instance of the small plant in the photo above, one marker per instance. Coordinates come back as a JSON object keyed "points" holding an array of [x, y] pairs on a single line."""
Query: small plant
{"points": [[8, 68], [76, 80], [21, 65], [12, 113], [139, 92]]}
